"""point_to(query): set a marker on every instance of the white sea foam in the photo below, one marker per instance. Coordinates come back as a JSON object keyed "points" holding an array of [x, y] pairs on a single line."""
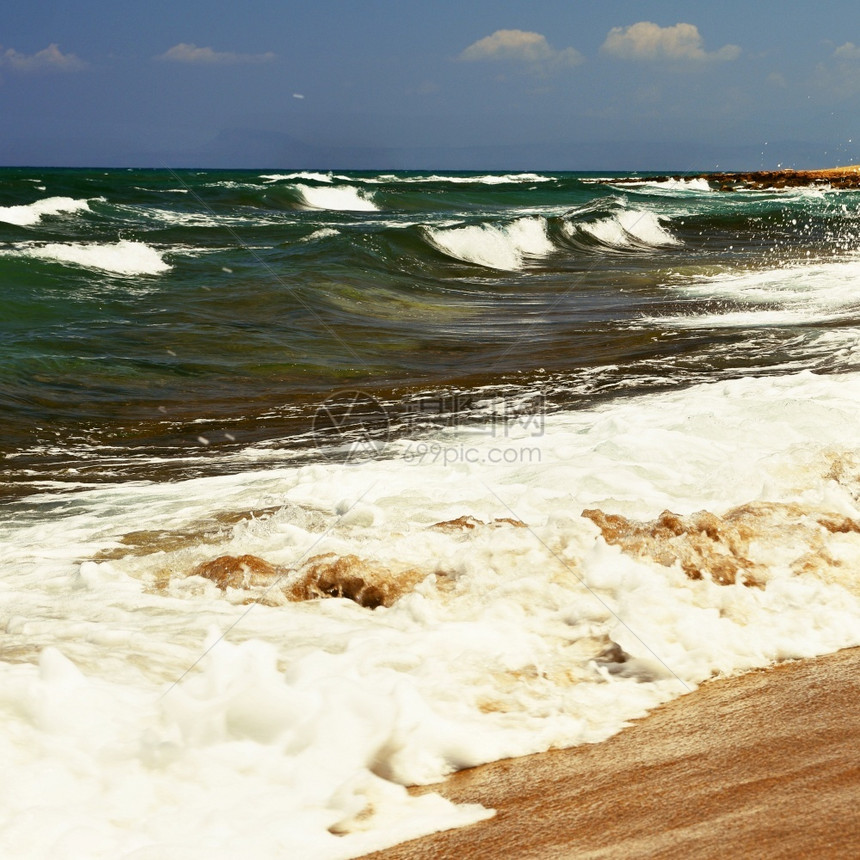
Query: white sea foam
{"points": [[810, 192], [788, 295], [306, 719], [340, 198], [628, 228], [458, 179], [505, 246], [31, 213], [123, 258], [307, 175], [322, 233], [192, 219], [162, 190], [736, 319], [671, 186]]}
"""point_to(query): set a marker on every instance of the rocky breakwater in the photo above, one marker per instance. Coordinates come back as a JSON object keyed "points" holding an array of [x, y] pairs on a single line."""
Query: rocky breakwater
{"points": [[759, 180]]}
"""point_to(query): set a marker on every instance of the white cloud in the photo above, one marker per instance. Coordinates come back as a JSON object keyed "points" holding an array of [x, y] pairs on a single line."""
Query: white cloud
{"points": [[848, 51], [839, 79], [48, 59], [523, 47], [648, 41], [777, 79], [189, 53]]}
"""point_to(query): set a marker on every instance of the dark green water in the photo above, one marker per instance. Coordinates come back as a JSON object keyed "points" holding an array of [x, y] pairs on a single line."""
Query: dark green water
{"points": [[153, 321]]}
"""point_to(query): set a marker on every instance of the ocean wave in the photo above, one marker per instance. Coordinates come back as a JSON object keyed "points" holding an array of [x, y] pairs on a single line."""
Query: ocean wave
{"points": [[787, 295], [307, 175], [322, 233], [671, 186], [505, 247], [31, 213], [747, 319], [181, 218], [456, 179], [626, 229], [808, 192], [233, 185], [122, 258], [162, 190], [340, 198]]}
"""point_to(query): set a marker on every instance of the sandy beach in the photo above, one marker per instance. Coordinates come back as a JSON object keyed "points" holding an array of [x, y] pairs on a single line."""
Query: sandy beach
{"points": [[760, 765]]}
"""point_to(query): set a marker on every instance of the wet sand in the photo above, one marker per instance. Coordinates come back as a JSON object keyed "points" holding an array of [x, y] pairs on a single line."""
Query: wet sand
{"points": [[762, 765]]}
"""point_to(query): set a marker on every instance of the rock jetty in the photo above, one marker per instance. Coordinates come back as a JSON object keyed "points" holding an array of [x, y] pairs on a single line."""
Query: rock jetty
{"points": [[760, 180]]}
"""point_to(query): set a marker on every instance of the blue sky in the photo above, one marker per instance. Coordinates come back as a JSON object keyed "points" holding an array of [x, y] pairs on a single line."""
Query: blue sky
{"points": [[545, 84]]}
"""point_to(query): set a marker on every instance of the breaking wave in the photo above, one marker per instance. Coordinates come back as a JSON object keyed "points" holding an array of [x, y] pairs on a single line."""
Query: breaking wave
{"points": [[322, 233], [671, 186], [123, 258], [627, 229], [343, 198], [795, 295], [505, 247], [308, 176], [463, 179], [31, 213]]}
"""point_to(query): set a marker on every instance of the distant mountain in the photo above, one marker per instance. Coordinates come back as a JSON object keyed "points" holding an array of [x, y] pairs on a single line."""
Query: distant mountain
{"points": [[259, 148], [256, 148]]}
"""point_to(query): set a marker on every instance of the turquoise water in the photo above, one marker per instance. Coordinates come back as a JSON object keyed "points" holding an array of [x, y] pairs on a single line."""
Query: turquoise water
{"points": [[144, 310]]}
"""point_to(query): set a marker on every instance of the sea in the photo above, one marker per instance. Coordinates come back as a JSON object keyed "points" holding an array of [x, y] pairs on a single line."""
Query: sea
{"points": [[318, 485]]}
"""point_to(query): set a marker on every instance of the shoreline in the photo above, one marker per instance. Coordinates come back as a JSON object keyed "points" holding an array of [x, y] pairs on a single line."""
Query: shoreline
{"points": [[759, 180], [761, 764]]}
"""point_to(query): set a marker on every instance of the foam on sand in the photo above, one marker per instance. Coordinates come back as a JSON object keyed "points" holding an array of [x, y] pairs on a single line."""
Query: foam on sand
{"points": [[268, 683], [659, 789]]}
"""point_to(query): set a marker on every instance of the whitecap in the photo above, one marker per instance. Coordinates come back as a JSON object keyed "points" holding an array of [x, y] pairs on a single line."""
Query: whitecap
{"points": [[696, 184], [506, 246], [28, 214], [123, 258], [457, 179], [736, 319], [786, 295], [322, 233], [307, 175], [188, 219], [628, 228], [341, 198]]}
